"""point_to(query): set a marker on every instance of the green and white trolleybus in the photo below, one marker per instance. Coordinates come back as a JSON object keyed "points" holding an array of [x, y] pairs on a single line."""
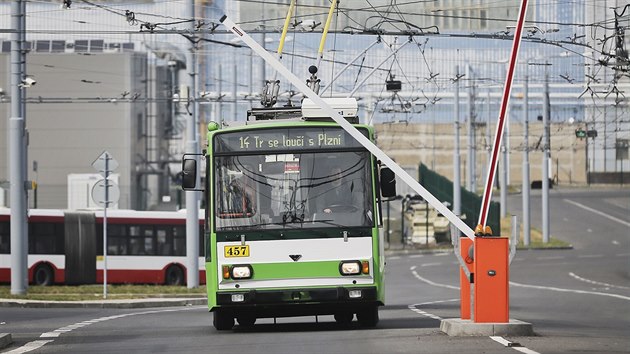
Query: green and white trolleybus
{"points": [[293, 215]]}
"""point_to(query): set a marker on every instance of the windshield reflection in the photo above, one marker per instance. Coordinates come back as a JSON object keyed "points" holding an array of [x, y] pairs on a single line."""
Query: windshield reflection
{"points": [[307, 190]]}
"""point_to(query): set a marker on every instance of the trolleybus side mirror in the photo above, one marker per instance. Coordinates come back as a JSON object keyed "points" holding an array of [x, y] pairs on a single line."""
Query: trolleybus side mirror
{"points": [[189, 174], [388, 183]]}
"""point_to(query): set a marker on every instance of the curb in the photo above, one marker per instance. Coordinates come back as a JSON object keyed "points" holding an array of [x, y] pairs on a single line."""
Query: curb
{"points": [[5, 340], [112, 304]]}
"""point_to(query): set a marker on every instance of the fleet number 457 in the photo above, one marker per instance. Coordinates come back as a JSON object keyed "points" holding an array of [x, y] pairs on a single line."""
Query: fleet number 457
{"points": [[236, 251]]}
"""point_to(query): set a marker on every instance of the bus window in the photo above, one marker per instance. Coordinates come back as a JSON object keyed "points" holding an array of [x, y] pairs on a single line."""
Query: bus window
{"points": [[46, 238], [164, 243], [179, 241], [5, 238]]}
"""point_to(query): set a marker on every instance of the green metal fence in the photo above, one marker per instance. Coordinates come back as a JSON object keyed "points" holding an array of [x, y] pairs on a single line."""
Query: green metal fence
{"points": [[442, 188]]}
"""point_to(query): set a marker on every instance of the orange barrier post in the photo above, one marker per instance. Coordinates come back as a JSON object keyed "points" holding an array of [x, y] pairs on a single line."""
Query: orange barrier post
{"points": [[464, 282], [491, 268]]}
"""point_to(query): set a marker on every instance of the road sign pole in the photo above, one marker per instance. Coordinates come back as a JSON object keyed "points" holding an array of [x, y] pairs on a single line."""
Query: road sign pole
{"points": [[105, 192]]}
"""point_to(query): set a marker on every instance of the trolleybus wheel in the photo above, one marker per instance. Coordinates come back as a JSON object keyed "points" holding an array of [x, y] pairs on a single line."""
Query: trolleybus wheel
{"points": [[246, 320], [43, 275], [223, 320], [174, 275], [368, 317], [344, 318]]}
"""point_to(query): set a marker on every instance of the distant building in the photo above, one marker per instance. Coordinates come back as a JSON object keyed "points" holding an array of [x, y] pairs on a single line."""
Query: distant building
{"points": [[83, 105]]}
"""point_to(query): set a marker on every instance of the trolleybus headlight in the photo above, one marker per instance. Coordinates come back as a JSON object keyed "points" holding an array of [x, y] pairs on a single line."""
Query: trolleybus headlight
{"points": [[350, 268], [242, 271]]}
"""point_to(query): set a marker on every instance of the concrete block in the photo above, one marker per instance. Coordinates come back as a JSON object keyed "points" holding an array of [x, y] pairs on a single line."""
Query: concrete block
{"points": [[456, 327]]}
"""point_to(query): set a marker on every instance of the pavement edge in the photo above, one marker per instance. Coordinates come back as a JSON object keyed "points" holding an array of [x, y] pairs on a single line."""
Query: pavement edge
{"points": [[5, 340], [117, 304]]}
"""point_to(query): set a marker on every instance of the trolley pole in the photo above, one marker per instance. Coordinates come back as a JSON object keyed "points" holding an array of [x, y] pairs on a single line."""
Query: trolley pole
{"points": [[19, 249]]}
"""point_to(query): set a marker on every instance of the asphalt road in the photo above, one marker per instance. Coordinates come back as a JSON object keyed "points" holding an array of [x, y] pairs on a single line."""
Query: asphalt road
{"points": [[578, 301]]}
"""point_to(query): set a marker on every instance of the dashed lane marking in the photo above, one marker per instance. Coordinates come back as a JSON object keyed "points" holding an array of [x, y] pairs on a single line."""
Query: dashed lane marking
{"points": [[513, 345], [36, 344], [591, 256], [623, 222], [549, 258], [30, 346], [596, 282]]}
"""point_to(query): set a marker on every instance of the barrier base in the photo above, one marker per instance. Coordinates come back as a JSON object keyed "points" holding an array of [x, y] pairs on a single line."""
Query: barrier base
{"points": [[456, 327]]}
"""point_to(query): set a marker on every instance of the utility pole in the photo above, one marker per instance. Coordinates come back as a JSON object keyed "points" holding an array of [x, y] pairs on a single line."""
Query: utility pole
{"points": [[470, 159], [545, 162], [192, 147], [234, 93], [457, 197], [525, 186], [19, 226]]}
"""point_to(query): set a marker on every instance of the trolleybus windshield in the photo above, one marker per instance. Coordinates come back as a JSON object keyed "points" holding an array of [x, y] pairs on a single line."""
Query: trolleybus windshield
{"points": [[273, 189]]}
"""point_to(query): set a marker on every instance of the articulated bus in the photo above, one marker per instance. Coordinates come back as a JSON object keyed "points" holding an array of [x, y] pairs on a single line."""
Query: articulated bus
{"points": [[66, 247], [293, 215]]}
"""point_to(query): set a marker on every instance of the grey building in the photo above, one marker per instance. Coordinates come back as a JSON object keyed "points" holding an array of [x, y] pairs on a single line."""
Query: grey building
{"points": [[85, 104]]}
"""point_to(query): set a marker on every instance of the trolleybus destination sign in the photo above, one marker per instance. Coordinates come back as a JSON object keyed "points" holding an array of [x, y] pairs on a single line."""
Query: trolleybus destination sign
{"points": [[293, 139]]}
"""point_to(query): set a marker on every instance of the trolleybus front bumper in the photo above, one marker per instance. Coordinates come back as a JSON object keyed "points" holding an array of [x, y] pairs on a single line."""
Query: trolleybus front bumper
{"points": [[295, 302]]}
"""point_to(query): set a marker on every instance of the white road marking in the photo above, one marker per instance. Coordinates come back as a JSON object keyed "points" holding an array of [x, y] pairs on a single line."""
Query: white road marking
{"points": [[416, 256], [430, 264], [512, 345], [36, 344], [415, 274], [550, 257], [414, 308], [525, 350], [591, 256], [30, 346], [615, 242], [569, 290], [623, 222], [596, 282], [393, 257]]}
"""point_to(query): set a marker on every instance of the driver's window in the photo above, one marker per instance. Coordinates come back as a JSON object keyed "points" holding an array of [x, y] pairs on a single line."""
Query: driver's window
{"points": [[237, 193]]}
